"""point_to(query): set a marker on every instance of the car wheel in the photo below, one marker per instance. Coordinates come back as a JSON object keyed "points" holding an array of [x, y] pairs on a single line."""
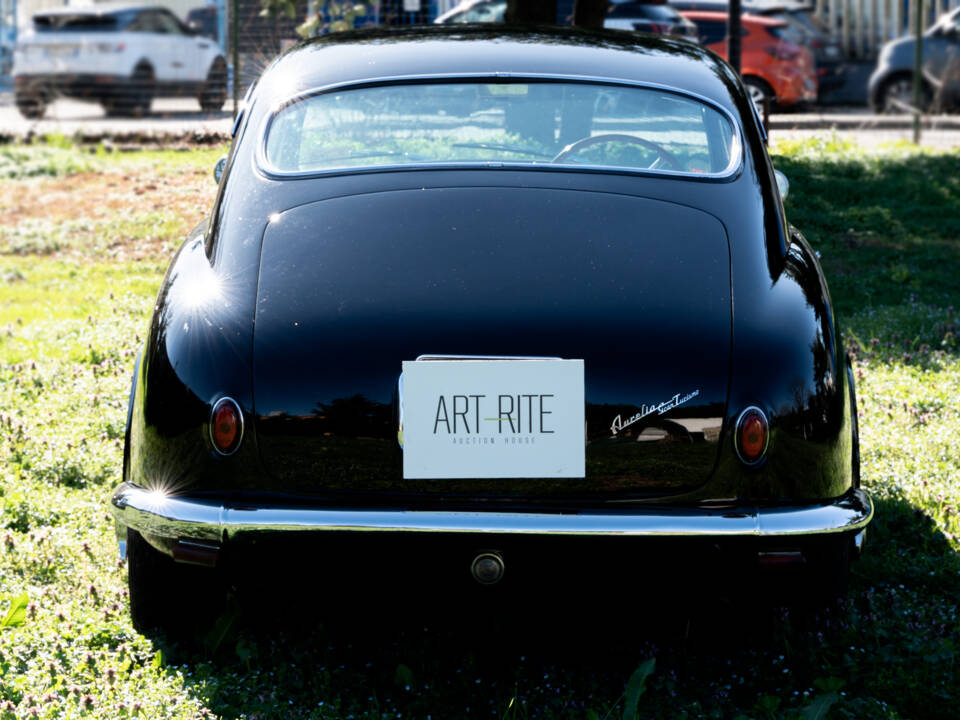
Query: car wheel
{"points": [[826, 576], [759, 92], [31, 105], [214, 93], [112, 107], [141, 91], [165, 595], [896, 97]]}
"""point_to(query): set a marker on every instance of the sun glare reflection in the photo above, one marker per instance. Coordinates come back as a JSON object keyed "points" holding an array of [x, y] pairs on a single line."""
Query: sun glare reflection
{"points": [[162, 488], [202, 289], [155, 499]]}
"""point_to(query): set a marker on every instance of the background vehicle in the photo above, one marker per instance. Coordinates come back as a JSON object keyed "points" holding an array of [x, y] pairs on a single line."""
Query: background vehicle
{"points": [[119, 56], [772, 66], [651, 17], [564, 213], [803, 28], [654, 16], [204, 21], [891, 84], [6, 59]]}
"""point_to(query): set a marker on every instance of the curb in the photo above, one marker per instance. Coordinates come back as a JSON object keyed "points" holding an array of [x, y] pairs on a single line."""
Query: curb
{"points": [[861, 122]]}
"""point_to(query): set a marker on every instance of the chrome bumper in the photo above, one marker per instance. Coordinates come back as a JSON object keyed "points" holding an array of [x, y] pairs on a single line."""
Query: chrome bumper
{"points": [[165, 520]]}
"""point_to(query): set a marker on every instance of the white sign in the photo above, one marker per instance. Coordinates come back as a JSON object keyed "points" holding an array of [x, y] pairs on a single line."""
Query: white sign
{"points": [[493, 419], [411, 5]]}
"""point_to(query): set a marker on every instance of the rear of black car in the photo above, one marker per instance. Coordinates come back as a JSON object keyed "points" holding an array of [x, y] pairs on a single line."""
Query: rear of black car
{"points": [[373, 231]]}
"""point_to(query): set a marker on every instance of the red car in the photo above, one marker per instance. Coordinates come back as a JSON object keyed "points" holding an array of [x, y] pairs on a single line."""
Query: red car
{"points": [[771, 65]]}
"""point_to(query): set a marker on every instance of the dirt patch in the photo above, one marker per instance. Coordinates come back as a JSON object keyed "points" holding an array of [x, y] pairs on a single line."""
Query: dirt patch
{"points": [[133, 213]]}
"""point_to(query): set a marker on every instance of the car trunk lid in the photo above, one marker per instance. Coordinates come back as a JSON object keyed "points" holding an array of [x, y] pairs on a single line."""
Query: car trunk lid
{"points": [[351, 287]]}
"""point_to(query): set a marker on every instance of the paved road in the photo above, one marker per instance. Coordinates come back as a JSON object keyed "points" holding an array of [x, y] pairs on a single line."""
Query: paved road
{"points": [[179, 117], [171, 116]]}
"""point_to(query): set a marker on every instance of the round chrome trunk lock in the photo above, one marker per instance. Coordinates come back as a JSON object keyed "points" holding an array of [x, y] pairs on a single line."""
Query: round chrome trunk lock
{"points": [[487, 568]]}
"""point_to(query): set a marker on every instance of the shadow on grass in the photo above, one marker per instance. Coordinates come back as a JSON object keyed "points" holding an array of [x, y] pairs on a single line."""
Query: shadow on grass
{"points": [[303, 643], [888, 226]]}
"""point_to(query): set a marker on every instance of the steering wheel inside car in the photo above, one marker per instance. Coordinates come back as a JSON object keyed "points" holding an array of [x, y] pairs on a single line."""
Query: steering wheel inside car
{"points": [[664, 158]]}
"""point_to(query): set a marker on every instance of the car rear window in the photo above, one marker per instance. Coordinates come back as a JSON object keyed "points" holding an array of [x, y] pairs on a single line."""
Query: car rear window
{"points": [[503, 122], [80, 22]]}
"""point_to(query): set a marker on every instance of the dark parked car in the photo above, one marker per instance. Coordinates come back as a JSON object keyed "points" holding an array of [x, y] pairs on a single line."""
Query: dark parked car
{"points": [[891, 84], [463, 307], [651, 16]]}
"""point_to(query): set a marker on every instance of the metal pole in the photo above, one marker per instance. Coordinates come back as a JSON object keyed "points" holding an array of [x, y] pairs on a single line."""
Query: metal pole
{"points": [[860, 6], [733, 35], [222, 26], [883, 22], [845, 12], [236, 58], [917, 70]]}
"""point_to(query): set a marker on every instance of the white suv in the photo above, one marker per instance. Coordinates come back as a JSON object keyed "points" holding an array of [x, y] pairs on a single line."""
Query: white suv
{"points": [[119, 56]]}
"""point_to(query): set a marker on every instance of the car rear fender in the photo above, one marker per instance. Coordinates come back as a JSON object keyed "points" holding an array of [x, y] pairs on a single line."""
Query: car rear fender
{"points": [[198, 351], [788, 360]]}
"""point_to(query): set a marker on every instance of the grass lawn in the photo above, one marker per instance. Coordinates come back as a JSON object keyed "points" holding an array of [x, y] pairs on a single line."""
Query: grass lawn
{"points": [[84, 241]]}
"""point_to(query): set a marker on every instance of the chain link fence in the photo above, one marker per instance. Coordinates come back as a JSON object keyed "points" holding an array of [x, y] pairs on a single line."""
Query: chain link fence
{"points": [[205, 52]]}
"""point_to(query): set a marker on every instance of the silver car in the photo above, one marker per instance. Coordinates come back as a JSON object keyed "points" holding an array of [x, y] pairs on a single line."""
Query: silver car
{"points": [[891, 85]]}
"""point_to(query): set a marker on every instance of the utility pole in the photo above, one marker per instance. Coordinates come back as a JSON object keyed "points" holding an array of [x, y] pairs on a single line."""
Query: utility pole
{"points": [[236, 58], [733, 35], [917, 70]]}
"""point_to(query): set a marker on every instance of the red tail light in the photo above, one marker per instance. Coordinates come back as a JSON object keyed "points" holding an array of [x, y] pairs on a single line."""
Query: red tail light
{"points": [[751, 435], [226, 426]]}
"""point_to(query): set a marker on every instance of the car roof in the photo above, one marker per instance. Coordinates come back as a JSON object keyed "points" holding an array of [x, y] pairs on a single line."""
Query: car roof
{"points": [[498, 50]]}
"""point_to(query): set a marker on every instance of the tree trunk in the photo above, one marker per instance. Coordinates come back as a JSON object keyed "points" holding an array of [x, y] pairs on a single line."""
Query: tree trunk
{"points": [[531, 12], [589, 13]]}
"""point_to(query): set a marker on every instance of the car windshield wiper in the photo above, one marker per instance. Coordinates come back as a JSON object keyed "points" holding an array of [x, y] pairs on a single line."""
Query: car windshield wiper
{"points": [[505, 148]]}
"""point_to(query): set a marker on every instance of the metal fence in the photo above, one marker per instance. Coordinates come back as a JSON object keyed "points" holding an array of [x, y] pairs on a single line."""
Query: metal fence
{"points": [[863, 26], [251, 33]]}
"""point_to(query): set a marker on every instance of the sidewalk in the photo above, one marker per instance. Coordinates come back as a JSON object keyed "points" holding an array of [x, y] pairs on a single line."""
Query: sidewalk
{"points": [[858, 119]]}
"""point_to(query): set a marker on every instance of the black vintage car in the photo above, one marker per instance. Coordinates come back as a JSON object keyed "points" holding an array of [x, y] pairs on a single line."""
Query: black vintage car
{"points": [[505, 298]]}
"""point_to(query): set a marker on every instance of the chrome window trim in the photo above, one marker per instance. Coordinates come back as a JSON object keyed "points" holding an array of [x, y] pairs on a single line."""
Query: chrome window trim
{"points": [[268, 170]]}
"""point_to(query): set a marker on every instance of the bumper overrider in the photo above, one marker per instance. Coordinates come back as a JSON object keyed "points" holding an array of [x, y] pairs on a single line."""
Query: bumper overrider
{"points": [[193, 530]]}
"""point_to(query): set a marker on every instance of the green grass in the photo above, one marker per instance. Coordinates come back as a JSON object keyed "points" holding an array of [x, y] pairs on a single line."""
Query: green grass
{"points": [[887, 223], [71, 318]]}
